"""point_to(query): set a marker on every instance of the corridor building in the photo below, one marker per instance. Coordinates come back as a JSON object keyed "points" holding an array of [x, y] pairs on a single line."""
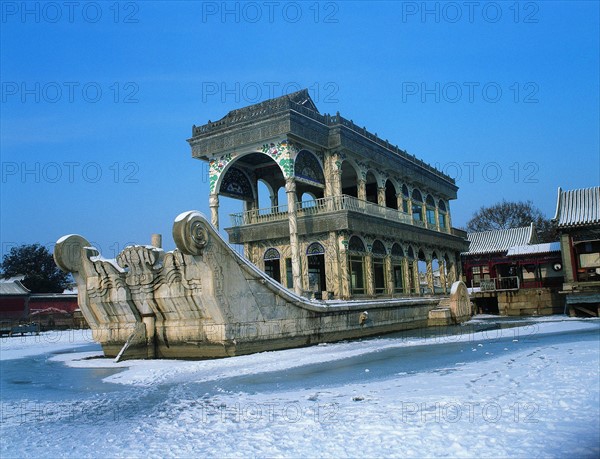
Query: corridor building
{"points": [[361, 217]]}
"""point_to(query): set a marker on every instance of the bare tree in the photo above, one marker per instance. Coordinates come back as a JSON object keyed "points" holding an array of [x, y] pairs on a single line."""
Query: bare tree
{"points": [[505, 214]]}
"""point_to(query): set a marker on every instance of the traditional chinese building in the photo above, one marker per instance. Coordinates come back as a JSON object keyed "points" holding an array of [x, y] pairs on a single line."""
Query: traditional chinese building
{"points": [[578, 220], [511, 273], [361, 217]]}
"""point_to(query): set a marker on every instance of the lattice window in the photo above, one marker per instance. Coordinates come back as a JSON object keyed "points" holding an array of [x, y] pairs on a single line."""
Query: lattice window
{"points": [[379, 248], [356, 245], [271, 254], [397, 251], [307, 167], [236, 185], [315, 249]]}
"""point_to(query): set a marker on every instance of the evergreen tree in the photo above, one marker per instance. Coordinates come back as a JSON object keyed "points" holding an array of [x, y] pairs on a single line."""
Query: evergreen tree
{"points": [[36, 263]]}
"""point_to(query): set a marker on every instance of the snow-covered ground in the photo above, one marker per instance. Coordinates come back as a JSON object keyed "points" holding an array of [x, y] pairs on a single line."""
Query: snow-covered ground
{"points": [[471, 391]]}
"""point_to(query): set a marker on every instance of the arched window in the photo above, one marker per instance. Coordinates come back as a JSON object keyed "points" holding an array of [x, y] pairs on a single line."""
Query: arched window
{"points": [[308, 169], [391, 200], [272, 264], [315, 249], [371, 187], [397, 271], [442, 212], [356, 263], [397, 250], [379, 276], [405, 198], [307, 200], [356, 245], [417, 205], [349, 180], [315, 254], [430, 209]]}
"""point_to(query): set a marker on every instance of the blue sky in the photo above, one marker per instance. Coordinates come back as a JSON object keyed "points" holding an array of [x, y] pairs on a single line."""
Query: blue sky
{"points": [[99, 98]]}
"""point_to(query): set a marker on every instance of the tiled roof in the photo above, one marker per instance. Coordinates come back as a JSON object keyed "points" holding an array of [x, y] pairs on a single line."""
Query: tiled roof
{"points": [[500, 240], [12, 287], [534, 249], [579, 207]]}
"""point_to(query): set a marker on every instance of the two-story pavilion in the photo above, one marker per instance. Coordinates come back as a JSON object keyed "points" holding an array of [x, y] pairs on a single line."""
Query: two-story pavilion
{"points": [[376, 216]]}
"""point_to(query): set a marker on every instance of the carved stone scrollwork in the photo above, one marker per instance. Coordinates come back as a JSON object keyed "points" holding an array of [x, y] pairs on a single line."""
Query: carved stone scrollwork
{"points": [[190, 233], [142, 262], [68, 252]]}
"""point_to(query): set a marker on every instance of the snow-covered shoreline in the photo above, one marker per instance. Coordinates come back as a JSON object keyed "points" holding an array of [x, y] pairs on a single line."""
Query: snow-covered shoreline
{"points": [[528, 391]]}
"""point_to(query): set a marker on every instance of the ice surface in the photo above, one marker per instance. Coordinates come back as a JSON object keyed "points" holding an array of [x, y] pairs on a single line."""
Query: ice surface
{"points": [[530, 391]]}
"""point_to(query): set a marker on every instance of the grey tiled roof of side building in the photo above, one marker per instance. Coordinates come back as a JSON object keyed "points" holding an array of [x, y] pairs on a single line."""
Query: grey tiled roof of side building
{"points": [[500, 240], [580, 207]]}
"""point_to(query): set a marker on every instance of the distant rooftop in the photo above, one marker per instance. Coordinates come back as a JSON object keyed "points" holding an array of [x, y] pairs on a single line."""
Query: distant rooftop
{"points": [[13, 286], [500, 240], [580, 207], [534, 249]]}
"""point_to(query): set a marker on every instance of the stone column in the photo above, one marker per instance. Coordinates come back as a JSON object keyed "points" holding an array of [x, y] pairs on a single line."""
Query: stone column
{"points": [[406, 276], [344, 274], [429, 277], [416, 277], [410, 212], [157, 240], [448, 220], [331, 173], [399, 202], [452, 274], [335, 189], [362, 189], [290, 190], [437, 217], [458, 268], [389, 273], [332, 265], [381, 196], [442, 265], [369, 275], [568, 259], [213, 203]]}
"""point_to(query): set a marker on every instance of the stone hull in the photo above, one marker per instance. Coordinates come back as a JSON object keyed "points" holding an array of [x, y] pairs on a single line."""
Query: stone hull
{"points": [[203, 300]]}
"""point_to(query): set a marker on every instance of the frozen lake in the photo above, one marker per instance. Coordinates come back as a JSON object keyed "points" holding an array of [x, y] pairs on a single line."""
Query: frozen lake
{"points": [[492, 387]]}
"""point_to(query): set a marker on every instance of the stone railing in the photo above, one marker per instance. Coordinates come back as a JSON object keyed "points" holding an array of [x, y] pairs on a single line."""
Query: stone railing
{"points": [[323, 206]]}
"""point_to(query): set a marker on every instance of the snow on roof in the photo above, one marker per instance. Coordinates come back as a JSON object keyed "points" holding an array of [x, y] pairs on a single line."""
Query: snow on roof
{"points": [[534, 249], [578, 207], [500, 240], [12, 286], [49, 310]]}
